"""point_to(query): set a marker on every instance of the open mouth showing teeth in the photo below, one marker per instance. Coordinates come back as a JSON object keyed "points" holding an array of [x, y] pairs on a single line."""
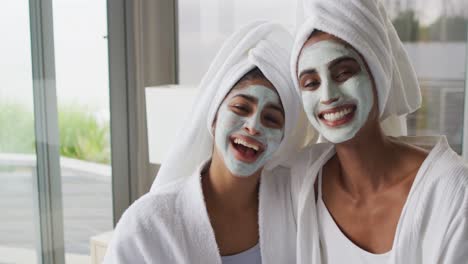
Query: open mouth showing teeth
{"points": [[338, 116], [246, 151]]}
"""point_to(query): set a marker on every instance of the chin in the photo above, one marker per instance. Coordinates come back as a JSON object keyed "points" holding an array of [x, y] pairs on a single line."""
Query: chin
{"points": [[340, 135], [244, 170]]}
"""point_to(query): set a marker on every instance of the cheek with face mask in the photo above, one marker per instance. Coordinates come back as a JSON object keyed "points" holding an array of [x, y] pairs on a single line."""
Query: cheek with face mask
{"points": [[337, 110], [243, 141]]}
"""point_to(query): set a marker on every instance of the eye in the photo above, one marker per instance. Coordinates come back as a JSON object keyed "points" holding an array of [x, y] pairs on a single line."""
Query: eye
{"points": [[240, 109], [310, 82], [343, 76], [273, 119], [344, 69]]}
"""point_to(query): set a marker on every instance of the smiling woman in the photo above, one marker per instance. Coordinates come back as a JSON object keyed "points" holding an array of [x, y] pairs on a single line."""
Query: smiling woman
{"points": [[248, 128], [373, 194], [220, 183], [342, 104]]}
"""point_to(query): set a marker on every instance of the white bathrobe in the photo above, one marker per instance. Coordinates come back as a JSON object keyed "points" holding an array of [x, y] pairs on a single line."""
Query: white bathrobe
{"points": [[433, 226], [171, 225]]}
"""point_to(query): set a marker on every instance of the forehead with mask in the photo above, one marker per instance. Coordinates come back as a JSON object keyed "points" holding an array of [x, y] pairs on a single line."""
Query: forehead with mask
{"points": [[249, 124]]}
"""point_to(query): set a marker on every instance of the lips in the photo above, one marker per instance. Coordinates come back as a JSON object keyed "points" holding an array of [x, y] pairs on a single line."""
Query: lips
{"points": [[338, 116], [246, 149]]}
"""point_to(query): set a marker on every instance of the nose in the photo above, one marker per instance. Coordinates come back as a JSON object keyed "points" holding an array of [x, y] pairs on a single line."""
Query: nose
{"points": [[330, 101], [330, 92], [252, 125]]}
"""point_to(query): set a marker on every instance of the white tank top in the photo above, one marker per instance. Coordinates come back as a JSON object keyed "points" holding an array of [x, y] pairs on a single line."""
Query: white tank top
{"points": [[336, 248], [250, 256]]}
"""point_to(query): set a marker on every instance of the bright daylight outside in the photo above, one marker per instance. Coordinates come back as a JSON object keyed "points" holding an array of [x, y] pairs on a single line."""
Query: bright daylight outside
{"points": [[81, 67]]}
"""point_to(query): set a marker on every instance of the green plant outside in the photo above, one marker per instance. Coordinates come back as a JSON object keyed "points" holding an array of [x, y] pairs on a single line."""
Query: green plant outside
{"points": [[16, 129], [82, 136]]}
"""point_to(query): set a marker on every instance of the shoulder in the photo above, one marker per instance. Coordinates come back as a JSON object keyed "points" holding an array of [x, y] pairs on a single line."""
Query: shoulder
{"points": [[144, 229], [444, 183], [442, 202], [280, 173], [443, 171], [150, 211], [276, 197], [447, 169], [307, 161], [277, 180], [311, 153]]}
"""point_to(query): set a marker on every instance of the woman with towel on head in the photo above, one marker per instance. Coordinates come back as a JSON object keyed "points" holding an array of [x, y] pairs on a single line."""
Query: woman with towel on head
{"points": [[368, 197], [220, 197]]}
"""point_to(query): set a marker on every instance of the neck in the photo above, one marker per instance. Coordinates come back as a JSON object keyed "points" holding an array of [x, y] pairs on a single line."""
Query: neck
{"points": [[365, 160], [223, 189]]}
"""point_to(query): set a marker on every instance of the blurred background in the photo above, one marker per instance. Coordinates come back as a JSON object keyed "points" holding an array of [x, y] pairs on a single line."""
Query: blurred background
{"points": [[73, 130]]}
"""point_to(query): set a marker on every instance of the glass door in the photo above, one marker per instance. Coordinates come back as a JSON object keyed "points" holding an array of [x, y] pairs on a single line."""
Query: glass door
{"points": [[18, 192], [56, 191], [82, 83]]}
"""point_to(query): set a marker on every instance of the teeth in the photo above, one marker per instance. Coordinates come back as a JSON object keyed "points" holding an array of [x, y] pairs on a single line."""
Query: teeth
{"points": [[242, 142], [337, 115]]}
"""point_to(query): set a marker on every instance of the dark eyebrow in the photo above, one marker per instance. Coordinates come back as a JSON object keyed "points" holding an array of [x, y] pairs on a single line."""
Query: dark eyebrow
{"points": [[340, 60], [311, 71], [247, 97]]}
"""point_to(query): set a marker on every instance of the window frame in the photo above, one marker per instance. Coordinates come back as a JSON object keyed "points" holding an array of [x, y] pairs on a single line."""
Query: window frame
{"points": [[50, 247], [138, 57], [465, 116]]}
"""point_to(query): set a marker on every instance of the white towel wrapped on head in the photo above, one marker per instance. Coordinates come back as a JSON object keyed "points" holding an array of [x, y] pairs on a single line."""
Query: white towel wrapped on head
{"points": [[365, 25], [259, 44]]}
